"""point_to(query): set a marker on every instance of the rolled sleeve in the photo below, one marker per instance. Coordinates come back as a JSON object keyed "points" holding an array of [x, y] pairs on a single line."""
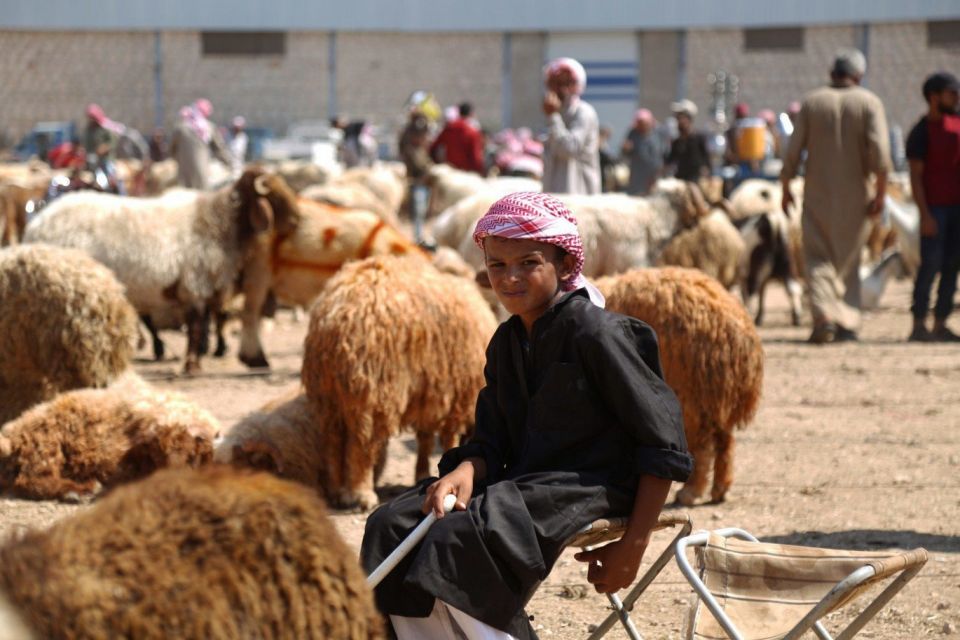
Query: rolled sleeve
{"points": [[669, 464]]}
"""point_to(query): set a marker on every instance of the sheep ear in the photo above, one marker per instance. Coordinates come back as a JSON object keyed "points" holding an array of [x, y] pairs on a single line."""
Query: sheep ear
{"points": [[261, 216], [6, 447]]}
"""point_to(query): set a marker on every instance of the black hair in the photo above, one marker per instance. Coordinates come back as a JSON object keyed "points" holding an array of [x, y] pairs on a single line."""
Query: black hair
{"points": [[465, 109]]}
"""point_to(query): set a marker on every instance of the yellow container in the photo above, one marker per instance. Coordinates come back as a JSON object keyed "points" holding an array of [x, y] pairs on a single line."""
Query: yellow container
{"points": [[751, 139]]}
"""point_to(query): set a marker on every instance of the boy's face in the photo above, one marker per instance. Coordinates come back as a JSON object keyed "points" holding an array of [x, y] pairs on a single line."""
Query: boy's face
{"points": [[526, 274]]}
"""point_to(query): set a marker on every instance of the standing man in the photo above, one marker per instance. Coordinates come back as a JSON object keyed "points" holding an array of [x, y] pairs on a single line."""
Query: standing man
{"points": [[461, 142], [238, 145], [193, 139], [688, 153], [933, 150], [644, 150], [843, 129], [571, 154]]}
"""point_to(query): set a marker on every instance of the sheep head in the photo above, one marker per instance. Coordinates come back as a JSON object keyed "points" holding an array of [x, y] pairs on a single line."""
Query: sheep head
{"points": [[694, 205], [267, 202]]}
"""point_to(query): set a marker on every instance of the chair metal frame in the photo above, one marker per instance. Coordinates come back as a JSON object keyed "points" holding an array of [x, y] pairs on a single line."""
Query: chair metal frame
{"points": [[601, 531], [811, 620]]}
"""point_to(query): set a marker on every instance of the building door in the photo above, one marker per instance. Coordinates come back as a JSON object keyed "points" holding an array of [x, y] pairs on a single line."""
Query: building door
{"points": [[611, 61]]}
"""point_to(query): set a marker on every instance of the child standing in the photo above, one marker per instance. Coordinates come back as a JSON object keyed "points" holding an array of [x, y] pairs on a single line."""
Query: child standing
{"points": [[575, 423]]}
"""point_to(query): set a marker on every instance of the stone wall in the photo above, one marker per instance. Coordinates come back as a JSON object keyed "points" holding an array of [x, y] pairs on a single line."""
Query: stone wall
{"points": [[53, 75]]}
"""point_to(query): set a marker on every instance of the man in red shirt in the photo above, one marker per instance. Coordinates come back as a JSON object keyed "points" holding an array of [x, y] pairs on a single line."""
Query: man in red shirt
{"points": [[933, 149], [461, 142]]}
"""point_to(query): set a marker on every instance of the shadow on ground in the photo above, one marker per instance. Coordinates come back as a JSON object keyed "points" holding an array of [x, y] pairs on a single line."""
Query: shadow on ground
{"points": [[870, 539]]}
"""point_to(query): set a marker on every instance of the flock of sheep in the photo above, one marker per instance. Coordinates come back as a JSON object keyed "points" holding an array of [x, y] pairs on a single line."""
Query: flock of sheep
{"points": [[231, 539]]}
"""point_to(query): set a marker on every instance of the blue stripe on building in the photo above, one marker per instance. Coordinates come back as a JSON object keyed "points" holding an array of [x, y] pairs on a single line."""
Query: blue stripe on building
{"points": [[612, 81]]}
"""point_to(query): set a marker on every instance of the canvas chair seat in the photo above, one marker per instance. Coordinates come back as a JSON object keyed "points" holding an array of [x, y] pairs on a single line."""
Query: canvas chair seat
{"points": [[611, 529], [768, 590]]}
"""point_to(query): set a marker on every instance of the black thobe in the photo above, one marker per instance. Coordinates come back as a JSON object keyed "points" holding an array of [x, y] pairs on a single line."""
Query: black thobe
{"points": [[566, 424]]}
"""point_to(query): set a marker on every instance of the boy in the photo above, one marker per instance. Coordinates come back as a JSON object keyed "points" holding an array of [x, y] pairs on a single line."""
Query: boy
{"points": [[575, 423]]}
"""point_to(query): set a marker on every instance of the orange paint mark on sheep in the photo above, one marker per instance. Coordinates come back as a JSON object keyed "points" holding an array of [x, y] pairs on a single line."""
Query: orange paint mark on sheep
{"points": [[398, 249], [328, 235]]}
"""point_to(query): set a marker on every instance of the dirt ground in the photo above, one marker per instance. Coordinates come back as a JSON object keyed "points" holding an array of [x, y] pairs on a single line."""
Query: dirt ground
{"points": [[856, 446]]}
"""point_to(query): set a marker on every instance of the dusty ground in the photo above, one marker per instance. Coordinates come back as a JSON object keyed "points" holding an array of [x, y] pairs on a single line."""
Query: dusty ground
{"points": [[855, 446]]}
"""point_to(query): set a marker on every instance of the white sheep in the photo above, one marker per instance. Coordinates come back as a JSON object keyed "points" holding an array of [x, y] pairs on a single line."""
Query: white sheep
{"points": [[449, 186], [713, 245], [619, 232], [379, 189], [184, 250]]}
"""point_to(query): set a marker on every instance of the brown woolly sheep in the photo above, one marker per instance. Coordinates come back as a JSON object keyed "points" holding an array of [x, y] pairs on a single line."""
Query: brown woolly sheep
{"points": [[712, 358], [65, 323], [83, 440], [213, 553], [392, 343]]}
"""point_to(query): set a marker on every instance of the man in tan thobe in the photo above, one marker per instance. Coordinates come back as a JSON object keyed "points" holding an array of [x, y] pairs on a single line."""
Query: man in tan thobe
{"points": [[843, 129]]}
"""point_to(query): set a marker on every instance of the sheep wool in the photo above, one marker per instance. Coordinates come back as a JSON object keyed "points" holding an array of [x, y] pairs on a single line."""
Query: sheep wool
{"points": [[281, 437], [713, 245], [712, 358], [392, 343], [83, 440], [214, 553], [65, 323]]}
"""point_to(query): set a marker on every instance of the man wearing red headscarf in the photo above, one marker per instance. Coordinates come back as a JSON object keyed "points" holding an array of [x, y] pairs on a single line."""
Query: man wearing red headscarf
{"points": [[571, 155]]}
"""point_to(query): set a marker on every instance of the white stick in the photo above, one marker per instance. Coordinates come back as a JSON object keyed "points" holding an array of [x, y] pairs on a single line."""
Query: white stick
{"points": [[408, 543]]}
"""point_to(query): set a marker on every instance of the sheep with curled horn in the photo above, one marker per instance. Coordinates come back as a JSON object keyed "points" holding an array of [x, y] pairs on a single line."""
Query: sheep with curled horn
{"points": [[184, 250]]}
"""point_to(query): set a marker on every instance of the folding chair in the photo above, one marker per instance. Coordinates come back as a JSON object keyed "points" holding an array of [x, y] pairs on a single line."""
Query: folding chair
{"points": [[775, 591], [608, 530]]}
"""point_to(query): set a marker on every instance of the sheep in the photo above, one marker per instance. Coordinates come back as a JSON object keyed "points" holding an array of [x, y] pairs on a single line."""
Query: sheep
{"points": [[282, 437], [713, 245], [619, 232], [64, 324], [379, 189], [392, 343], [297, 266], [16, 202], [185, 249], [449, 186], [83, 440], [712, 358], [34, 173], [160, 176], [301, 174], [771, 251], [213, 553]]}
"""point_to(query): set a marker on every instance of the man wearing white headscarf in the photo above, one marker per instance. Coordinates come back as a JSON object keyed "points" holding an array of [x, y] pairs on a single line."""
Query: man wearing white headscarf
{"points": [[571, 155], [843, 129]]}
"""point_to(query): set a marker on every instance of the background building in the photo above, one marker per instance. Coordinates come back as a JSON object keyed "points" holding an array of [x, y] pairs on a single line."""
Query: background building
{"points": [[285, 61]]}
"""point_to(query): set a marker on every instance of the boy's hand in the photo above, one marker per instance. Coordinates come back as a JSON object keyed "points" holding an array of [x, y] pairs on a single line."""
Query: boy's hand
{"points": [[613, 567], [459, 482]]}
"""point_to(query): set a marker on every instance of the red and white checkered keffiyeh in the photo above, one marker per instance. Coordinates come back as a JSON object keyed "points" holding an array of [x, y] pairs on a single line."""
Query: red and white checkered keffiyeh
{"points": [[541, 217]]}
